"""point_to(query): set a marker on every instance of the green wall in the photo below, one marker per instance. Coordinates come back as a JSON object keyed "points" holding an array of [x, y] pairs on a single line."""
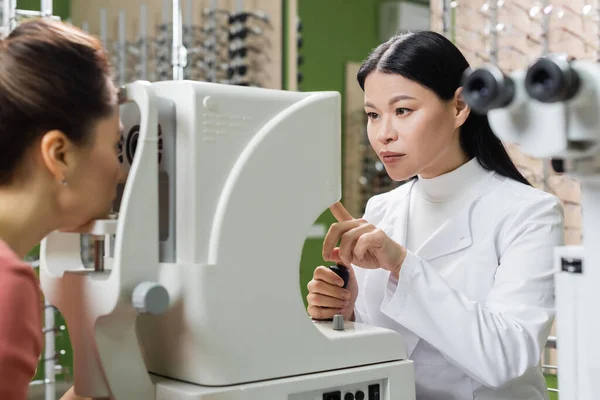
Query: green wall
{"points": [[61, 8], [335, 32]]}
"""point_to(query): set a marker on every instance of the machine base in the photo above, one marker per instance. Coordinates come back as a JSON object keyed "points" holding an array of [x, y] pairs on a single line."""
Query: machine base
{"points": [[386, 381]]}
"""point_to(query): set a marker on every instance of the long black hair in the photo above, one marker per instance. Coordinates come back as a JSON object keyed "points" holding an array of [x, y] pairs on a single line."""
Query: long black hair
{"points": [[431, 60]]}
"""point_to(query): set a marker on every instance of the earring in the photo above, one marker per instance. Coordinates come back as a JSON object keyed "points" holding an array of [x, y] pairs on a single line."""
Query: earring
{"points": [[63, 182]]}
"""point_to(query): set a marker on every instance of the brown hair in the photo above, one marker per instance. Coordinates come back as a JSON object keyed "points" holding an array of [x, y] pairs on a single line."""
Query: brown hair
{"points": [[53, 76]]}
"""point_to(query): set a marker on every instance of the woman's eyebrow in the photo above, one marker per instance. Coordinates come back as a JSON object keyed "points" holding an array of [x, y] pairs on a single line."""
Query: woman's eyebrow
{"points": [[392, 100], [400, 97]]}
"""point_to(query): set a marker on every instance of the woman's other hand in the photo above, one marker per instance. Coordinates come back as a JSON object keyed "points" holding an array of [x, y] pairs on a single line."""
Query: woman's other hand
{"points": [[327, 297]]}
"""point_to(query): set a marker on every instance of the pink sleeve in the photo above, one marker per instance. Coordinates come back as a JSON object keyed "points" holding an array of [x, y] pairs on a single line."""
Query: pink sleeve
{"points": [[20, 326]]}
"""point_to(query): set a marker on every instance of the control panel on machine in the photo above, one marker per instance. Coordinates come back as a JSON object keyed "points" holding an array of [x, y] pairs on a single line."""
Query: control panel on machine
{"points": [[360, 392]]}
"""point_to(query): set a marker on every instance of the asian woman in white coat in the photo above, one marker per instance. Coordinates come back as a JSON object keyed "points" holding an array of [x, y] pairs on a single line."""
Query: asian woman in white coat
{"points": [[458, 259]]}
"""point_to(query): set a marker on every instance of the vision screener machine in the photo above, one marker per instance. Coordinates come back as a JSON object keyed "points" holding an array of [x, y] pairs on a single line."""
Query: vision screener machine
{"points": [[197, 295]]}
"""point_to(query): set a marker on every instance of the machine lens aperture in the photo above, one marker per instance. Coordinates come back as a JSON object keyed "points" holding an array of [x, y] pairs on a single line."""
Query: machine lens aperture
{"points": [[479, 88], [551, 80], [131, 144]]}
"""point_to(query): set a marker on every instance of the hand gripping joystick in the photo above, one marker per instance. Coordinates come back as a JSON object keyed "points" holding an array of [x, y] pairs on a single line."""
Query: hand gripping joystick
{"points": [[342, 272]]}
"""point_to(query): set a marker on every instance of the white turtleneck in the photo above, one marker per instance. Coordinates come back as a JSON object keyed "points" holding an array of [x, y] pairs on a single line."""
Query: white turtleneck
{"points": [[433, 201]]}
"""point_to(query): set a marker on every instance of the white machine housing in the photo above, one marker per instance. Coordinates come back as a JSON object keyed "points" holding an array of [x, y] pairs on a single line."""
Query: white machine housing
{"points": [[552, 130], [219, 220], [570, 132]]}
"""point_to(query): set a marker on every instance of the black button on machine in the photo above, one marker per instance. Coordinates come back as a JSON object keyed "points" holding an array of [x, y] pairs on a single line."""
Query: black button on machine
{"points": [[348, 396], [332, 396], [360, 395], [374, 392]]}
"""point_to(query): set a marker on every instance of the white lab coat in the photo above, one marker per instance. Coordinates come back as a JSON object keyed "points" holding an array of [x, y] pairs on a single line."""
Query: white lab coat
{"points": [[475, 303]]}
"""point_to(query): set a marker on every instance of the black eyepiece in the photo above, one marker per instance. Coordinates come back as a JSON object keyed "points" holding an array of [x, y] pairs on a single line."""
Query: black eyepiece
{"points": [[550, 80], [487, 88]]}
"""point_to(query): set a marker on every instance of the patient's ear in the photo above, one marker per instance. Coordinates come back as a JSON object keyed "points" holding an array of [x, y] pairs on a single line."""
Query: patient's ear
{"points": [[57, 153]]}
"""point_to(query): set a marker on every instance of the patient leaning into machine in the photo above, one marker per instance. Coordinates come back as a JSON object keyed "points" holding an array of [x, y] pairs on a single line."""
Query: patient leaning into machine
{"points": [[58, 169]]}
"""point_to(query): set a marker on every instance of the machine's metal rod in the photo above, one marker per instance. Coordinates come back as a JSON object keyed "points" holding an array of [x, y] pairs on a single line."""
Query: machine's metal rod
{"points": [[46, 8], [6, 16], [446, 18], [103, 28], [188, 41], [122, 47], [178, 49], [144, 41], [49, 352], [9, 15]]}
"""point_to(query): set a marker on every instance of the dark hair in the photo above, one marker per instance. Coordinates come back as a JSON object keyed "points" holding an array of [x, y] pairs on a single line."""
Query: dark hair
{"points": [[53, 76], [431, 60]]}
